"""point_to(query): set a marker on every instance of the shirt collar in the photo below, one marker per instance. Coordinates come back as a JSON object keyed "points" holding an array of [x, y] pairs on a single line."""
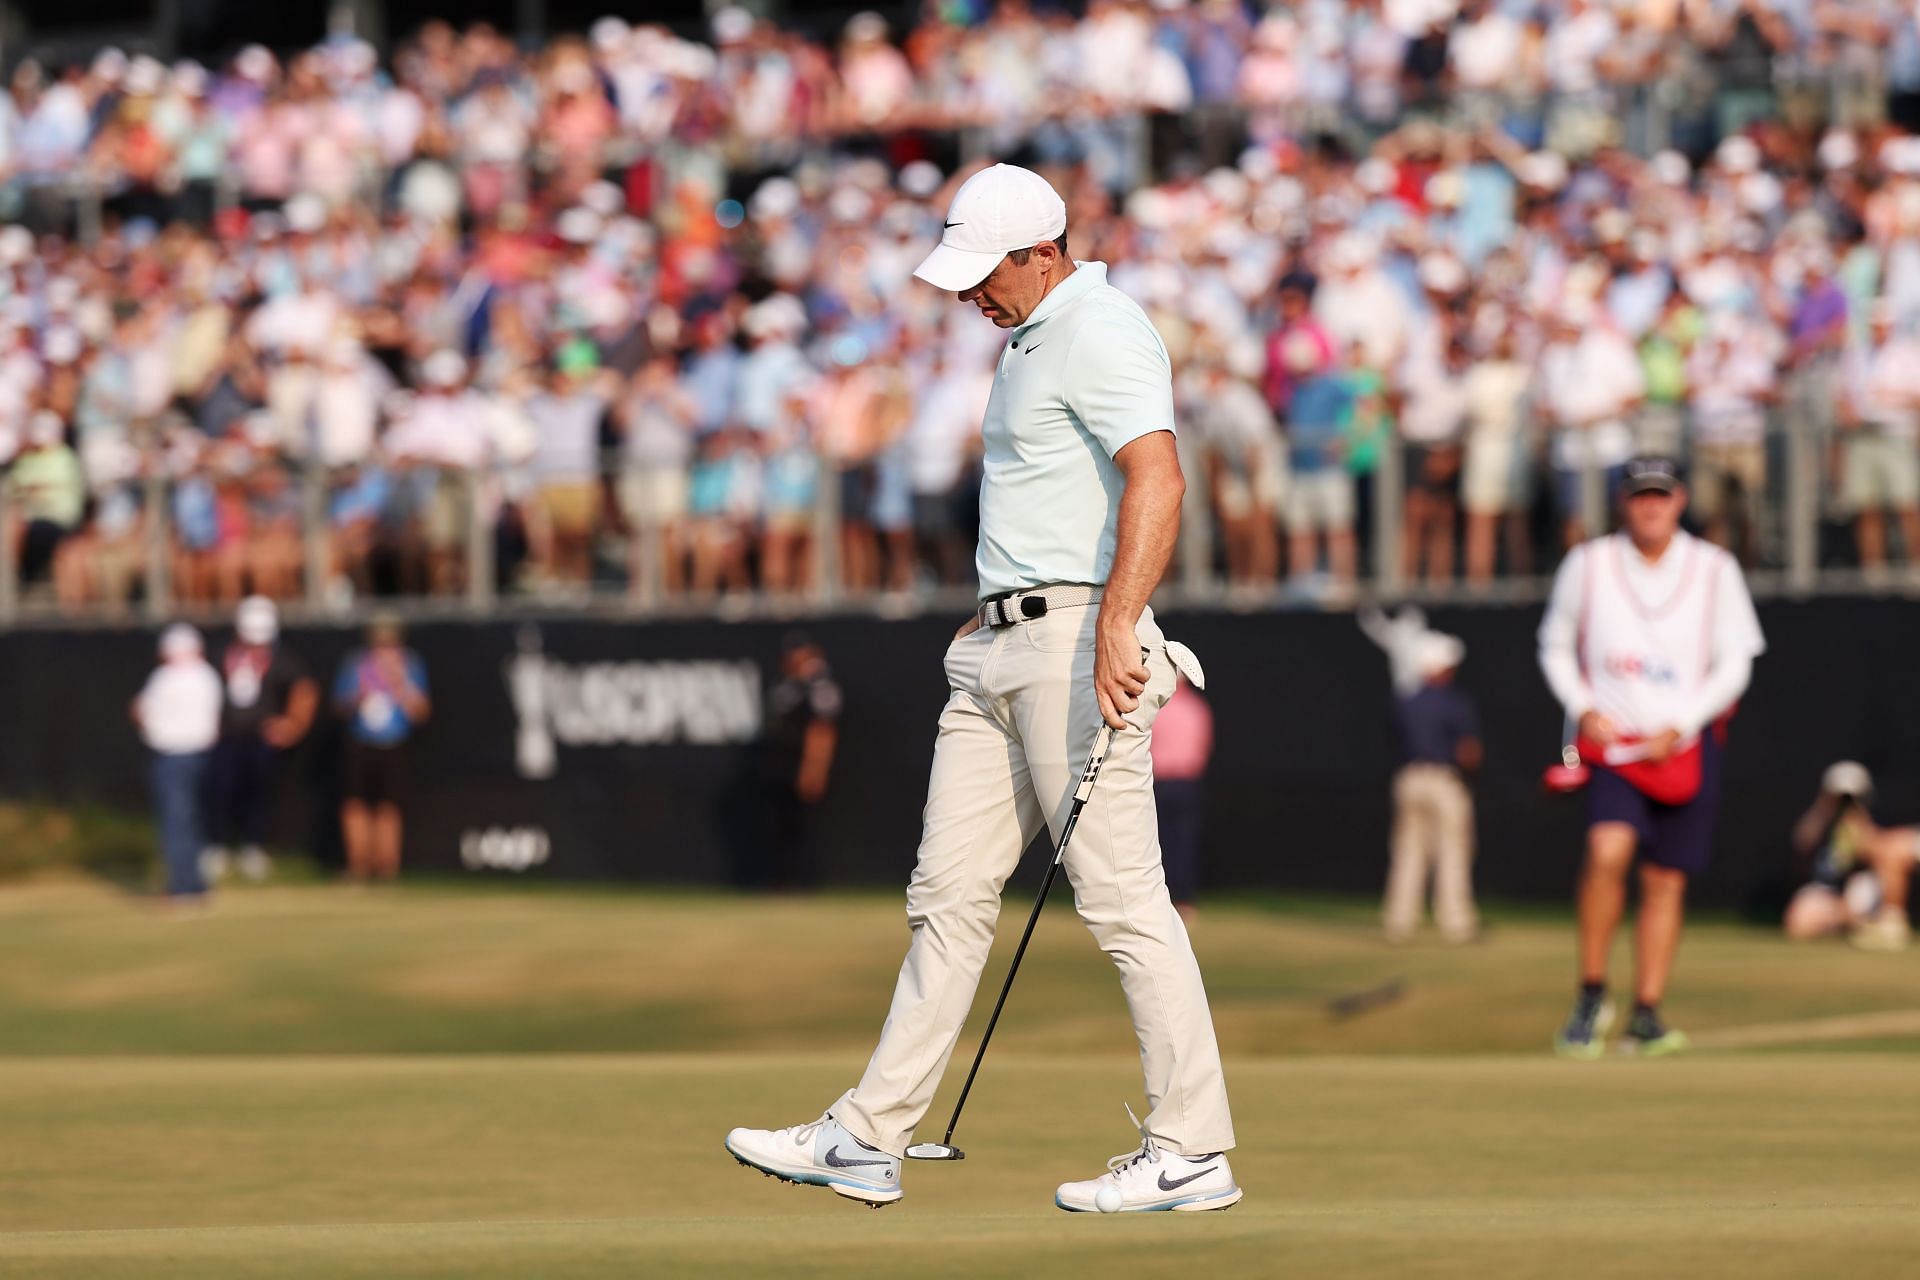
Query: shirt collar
{"points": [[1086, 277], [1677, 552]]}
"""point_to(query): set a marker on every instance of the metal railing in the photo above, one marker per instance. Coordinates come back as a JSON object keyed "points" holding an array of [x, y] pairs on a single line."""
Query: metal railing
{"points": [[1802, 540]]}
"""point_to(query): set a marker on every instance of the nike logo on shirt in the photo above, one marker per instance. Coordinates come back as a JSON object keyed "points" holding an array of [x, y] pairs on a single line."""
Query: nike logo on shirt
{"points": [[953, 224], [1166, 1183]]}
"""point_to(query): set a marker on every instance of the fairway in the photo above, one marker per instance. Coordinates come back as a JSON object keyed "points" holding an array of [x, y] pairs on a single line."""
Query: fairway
{"points": [[312, 1083]]}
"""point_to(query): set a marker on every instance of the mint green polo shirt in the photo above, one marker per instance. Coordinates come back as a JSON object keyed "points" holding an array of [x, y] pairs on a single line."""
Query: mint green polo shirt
{"points": [[1084, 377]]}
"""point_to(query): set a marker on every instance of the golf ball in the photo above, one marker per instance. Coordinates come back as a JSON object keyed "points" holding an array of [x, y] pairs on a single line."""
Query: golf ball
{"points": [[1107, 1200]]}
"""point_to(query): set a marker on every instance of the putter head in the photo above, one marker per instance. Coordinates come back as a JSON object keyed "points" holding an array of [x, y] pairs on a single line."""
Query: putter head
{"points": [[934, 1151]]}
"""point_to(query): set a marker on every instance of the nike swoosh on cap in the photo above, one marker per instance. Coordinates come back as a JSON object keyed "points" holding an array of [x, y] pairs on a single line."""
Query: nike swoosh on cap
{"points": [[1165, 1185], [834, 1158], [953, 224]]}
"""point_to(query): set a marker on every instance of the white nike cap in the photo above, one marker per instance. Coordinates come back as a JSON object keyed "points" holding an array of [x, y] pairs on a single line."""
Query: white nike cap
{"points": [[995, 212]]}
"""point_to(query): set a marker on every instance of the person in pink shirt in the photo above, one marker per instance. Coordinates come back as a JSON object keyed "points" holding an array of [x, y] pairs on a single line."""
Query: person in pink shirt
{"points": [[1295, 296], [1182, 745]]}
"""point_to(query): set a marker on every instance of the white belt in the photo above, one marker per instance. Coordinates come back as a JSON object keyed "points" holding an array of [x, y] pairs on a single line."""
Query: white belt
{"points": [[1024, 606]]}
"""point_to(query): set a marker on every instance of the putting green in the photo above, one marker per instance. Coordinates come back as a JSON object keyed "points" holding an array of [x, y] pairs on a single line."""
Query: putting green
{"points": [[315, 1083], [612, 1166]]}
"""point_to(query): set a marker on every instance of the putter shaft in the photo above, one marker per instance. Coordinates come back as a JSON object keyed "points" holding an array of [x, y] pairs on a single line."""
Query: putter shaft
{"points": [[1101, 743]]}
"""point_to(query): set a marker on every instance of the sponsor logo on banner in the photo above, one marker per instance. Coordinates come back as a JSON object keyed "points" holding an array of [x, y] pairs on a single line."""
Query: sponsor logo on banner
{"points": [[633, 703], [515, 849]]}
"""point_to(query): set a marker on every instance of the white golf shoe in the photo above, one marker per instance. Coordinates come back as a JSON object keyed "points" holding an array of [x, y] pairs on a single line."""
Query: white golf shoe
{"points": [[1149, 1180], [821, 1154]]}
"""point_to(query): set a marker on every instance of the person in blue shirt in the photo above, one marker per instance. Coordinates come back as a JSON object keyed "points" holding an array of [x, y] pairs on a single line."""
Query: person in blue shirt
{"points": [[381, 692], [1320, 492]]}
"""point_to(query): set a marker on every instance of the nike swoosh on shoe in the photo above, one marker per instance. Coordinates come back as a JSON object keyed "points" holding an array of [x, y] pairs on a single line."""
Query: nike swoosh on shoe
{"points": [[1176, 1183], [834, 1158]]}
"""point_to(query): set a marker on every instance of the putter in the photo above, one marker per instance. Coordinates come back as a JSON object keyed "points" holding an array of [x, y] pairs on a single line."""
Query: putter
{"points": [[944, 1149]]}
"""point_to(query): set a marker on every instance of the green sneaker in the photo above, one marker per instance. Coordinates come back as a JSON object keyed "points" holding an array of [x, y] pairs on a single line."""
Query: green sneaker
{"points": [[1584, 1038], [1649, 1037]]}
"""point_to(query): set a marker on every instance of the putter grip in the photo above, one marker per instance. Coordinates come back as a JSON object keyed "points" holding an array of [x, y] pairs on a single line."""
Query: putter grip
{"points": [[1102, 742]]}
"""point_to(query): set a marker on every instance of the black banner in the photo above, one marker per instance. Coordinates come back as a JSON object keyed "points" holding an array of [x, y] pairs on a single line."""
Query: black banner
{"points": [[592, 749]]}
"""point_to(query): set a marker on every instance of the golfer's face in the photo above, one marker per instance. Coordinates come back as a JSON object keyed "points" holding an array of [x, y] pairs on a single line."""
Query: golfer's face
{"points": [[1653, 516], [1010, 293]]}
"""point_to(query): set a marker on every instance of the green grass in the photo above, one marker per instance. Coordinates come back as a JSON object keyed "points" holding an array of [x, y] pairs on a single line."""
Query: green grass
{"points": [[310, 1082], [36, 837]]}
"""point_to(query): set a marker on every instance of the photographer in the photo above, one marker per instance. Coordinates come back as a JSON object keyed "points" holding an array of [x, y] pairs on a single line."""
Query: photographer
{"points": [[1860, 869]]}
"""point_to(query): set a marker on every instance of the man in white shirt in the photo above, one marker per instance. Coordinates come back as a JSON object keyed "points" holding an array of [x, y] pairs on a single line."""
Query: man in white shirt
{"points": [[1732, 377], [1648, 642], [1079, 510], [441, 434], [1591, 382], [178, 711], [1880, 458], [941, 440], [1358, 304]]}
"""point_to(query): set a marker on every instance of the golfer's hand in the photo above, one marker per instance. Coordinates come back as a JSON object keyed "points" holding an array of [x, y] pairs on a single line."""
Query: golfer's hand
{"points": [[968, 627], [1599, 729], [1661, 745], [1119, 672]]}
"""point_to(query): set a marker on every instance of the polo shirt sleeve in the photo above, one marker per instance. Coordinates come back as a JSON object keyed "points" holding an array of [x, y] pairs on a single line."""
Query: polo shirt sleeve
{"points": [[1119, 380]]}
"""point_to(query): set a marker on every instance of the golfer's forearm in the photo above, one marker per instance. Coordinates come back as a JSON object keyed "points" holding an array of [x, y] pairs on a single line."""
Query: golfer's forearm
{"points": [[1143, 544]]}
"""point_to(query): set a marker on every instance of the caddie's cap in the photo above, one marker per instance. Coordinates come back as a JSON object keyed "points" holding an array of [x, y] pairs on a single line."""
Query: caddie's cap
{"points": [[1653, 474]]}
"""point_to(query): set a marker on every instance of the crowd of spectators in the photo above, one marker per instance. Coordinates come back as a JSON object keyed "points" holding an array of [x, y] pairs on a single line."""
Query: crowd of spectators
{"points": [[639, 306]]}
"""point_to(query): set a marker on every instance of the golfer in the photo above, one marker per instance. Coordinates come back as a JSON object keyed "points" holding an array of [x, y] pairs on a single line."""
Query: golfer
{"points": [[1079, 507], [1648, 642]]}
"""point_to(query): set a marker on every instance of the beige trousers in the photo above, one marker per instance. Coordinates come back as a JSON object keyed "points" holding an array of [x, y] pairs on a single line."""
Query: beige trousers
{"points": [[1018, 724], [1432, 836]]}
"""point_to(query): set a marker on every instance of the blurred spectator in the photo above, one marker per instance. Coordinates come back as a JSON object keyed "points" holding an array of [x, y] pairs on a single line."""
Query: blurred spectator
{"points": [[1496, 458], [1245, 467], [803, 713], [178, 711], [381, 690], [269, 706], [1295, 301], [438, 439], [50, 496], [1432, 808], [1318, 173], [1182, 745], [565, 511], [1859, 870], [1879, 463], [1432, 425], [1592, 384], [942, 446], [1320, 490], [655, 419], [1730, 379]]}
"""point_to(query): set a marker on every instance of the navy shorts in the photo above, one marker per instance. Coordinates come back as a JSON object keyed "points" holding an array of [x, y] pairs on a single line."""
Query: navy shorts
{"points": [[1676, 836]]}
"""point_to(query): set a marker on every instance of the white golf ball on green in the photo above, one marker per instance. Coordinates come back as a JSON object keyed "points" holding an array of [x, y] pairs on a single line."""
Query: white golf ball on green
{"points": [[1107, 1200]]}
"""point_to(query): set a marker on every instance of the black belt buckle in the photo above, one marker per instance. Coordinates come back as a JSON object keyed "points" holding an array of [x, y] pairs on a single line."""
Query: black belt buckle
{"points": [[1033, 607]]}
